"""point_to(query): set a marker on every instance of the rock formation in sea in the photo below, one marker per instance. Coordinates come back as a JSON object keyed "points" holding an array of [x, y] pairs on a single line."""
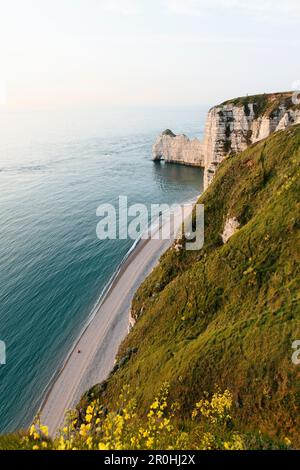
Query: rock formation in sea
{"points": [[178, 149], [230, 128]]}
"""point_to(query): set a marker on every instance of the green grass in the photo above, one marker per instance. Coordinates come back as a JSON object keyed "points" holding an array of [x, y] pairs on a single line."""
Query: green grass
{"points": [[12, 441], [224, 316], [227, 315], [265, 104]]}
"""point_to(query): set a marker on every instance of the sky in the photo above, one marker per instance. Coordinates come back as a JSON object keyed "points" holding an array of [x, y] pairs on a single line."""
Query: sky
{"points": [[98, 53]]}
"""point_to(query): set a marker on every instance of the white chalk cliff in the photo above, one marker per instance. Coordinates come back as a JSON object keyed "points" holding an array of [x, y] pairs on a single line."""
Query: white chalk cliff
{"points": [[178, 149], [230, 128]]}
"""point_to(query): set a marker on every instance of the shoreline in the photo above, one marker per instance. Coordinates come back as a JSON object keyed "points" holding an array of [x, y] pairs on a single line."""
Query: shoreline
{"points": [[106, 328]]}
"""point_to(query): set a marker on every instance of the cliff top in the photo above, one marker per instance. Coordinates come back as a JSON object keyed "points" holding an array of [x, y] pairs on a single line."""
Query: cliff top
{"points": [[169, 133], [264, 104]]}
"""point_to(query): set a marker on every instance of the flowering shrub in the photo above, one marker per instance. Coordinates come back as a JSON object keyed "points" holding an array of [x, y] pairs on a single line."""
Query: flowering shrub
{"points": [[216, 423], [215, 410], [100, 429]]}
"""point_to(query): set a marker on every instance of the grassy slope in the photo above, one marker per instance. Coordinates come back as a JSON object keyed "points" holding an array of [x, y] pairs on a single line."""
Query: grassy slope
{"points": [[227, 315]]}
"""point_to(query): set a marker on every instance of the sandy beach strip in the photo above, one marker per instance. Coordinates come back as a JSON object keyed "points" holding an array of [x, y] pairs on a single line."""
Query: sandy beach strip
{"points": [[101, 338]]}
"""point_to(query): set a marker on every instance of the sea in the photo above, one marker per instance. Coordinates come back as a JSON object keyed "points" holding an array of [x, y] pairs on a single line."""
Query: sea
{"points": [[56, 169]]}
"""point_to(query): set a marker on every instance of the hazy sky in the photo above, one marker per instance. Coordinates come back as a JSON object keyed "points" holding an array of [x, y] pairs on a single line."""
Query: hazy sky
{"points": [[83, 53]]}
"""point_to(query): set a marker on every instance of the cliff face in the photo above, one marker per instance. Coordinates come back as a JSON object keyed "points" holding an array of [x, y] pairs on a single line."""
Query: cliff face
{"points": [[178, 149], [230, 128], [234, 125]]}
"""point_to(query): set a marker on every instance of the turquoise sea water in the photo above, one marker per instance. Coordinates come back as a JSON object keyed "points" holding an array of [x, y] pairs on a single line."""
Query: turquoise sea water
{"points": [[56, 168]]}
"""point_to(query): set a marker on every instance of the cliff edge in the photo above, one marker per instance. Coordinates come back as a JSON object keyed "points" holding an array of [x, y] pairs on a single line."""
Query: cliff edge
{"points": [[231, 127]]}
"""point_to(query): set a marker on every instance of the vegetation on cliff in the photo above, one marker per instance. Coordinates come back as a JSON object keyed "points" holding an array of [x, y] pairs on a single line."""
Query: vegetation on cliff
{"points": [[216, 325], [265, 104], [228, 315], [100, 428], [169, 133]]}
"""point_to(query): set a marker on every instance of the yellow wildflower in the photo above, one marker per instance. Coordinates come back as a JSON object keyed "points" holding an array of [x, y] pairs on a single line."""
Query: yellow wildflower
{"points": [[208, 441], [150, 442], [236, 443], [84, 428], [32, 430], [102, 446], [89, 442], [44, 430], [61, 444]]}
